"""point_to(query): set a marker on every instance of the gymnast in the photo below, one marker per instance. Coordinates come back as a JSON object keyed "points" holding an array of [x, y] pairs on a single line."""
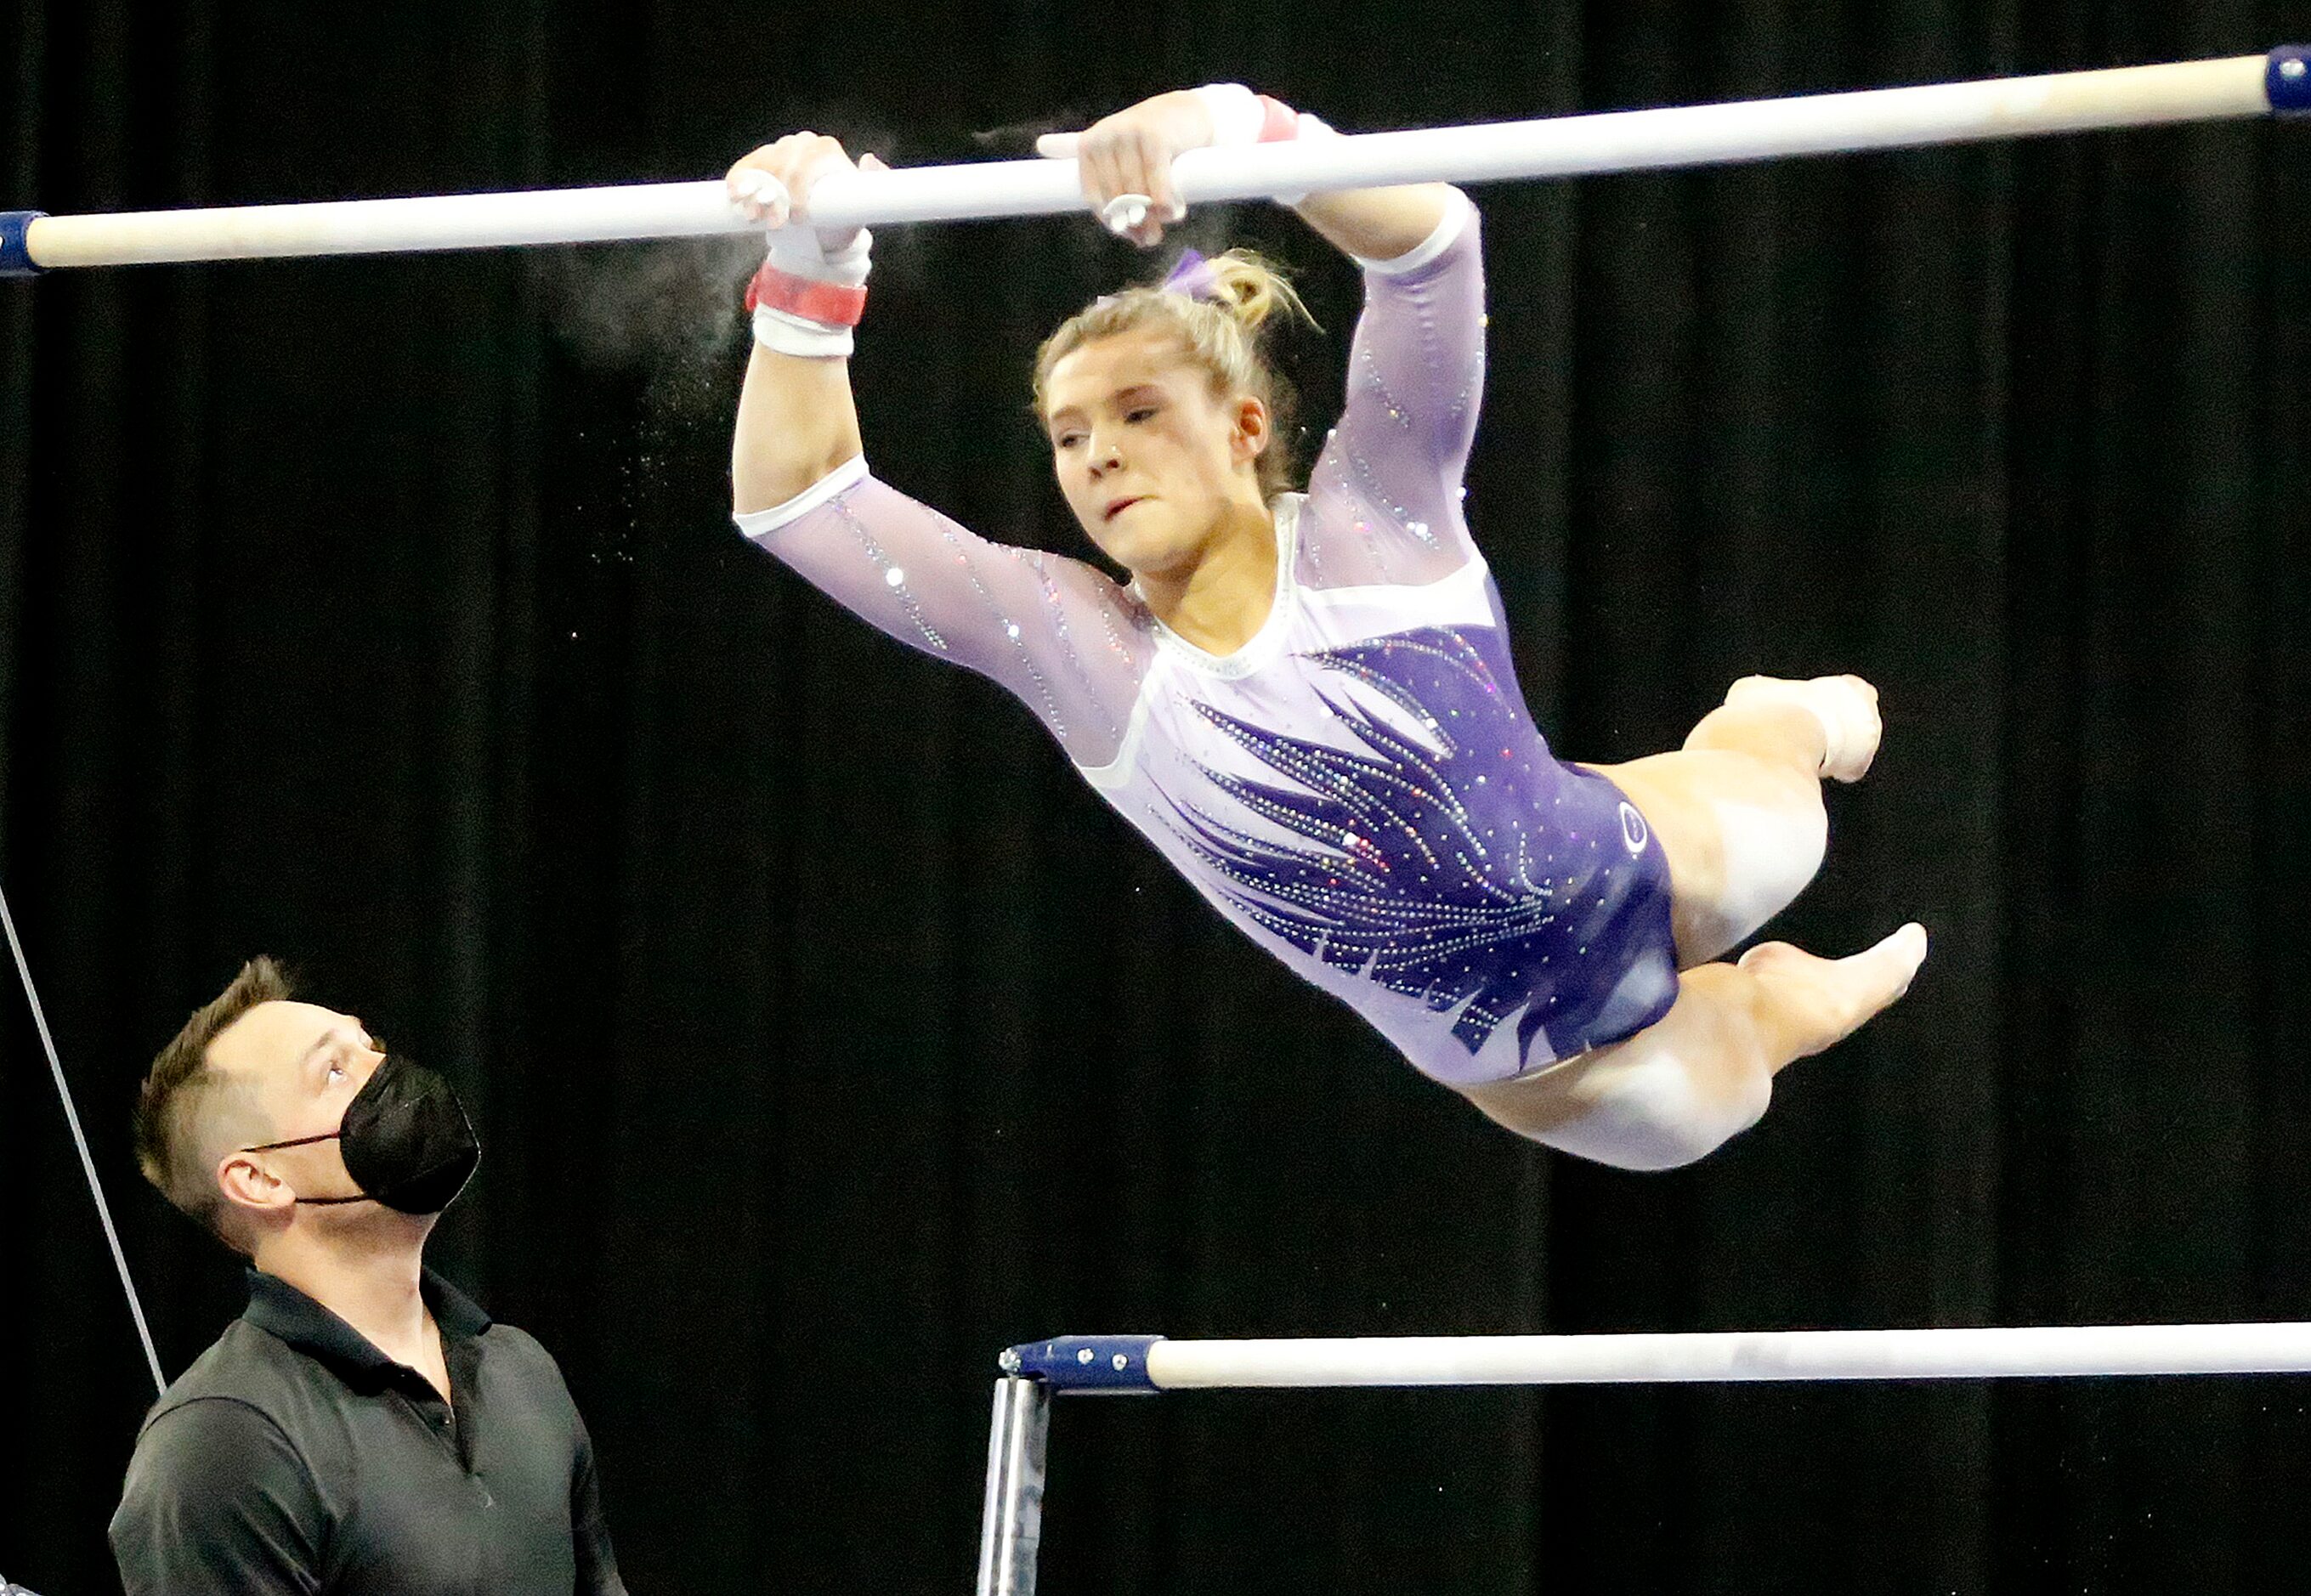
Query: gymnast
{"points": [[1306, 701]]}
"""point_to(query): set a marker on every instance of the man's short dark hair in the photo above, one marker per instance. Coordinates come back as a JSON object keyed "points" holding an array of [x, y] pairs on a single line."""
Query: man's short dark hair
{"points": [[184, 1102]]}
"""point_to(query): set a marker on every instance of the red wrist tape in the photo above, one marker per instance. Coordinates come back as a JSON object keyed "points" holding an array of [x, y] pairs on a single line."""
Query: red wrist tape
{"points": [[829, 303]]}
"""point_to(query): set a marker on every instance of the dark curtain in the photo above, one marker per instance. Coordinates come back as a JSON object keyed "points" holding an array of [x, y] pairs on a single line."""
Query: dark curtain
{"points": [[827, 1034]]}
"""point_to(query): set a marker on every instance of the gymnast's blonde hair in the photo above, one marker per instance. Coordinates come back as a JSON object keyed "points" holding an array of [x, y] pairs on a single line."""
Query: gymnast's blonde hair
{"points": [[1218, 326]]}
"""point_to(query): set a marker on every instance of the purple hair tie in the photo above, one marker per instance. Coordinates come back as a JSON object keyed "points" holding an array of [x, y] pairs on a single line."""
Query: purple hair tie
{"points": [[1192, 276]]}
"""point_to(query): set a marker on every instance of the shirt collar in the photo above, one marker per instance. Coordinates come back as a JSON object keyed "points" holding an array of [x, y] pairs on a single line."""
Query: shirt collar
{"points": [[282, 1310]]}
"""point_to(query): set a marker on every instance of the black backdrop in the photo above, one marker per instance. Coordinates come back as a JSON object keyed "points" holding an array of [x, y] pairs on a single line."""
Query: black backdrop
{"points": [[827, 1035]]}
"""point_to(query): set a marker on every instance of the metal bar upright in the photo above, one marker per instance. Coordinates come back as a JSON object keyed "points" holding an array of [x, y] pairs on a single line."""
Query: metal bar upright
{"points": [[1011, 1524]]}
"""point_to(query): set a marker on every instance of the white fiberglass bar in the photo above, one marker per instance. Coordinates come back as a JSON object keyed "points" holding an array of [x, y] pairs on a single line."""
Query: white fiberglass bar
{"points": [[1125, 1363], [1567, 146], [1797, 1354], [1122, 1365]]}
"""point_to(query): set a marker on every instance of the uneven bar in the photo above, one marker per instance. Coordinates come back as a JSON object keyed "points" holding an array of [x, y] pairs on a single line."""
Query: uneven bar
{"points": [[1075, 1364], [2236, 87]]}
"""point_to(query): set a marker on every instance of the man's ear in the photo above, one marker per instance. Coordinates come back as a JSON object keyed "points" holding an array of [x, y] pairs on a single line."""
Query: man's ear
{"points": [[248, 1186]]}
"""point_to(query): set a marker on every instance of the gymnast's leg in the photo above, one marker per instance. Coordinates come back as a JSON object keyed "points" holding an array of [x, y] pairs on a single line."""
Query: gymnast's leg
{"points": [[1705, 1071], [1739, 809]]}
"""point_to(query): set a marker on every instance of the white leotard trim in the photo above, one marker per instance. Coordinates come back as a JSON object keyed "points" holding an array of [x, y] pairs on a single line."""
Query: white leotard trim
{"points": [[754, 523], [1456, 217], [1262, 645]]}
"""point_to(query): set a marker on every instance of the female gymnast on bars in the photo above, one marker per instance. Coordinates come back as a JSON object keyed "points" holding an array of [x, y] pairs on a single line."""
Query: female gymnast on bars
{"points": [[1305, 699]]}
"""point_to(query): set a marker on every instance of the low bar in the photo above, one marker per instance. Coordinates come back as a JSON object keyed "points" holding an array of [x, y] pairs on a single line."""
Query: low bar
{"points": [[1036, 1371], [2236, 87], [2042, 1352]]}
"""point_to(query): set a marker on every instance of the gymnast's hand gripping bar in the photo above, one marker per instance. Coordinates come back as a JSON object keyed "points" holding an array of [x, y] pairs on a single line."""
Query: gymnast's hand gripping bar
{"points": [[1554, 147], [1083, 1365]]}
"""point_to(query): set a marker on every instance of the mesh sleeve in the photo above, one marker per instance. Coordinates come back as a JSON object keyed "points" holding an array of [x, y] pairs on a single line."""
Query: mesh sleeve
{"points": [[1386, 489], [1057, 634]]}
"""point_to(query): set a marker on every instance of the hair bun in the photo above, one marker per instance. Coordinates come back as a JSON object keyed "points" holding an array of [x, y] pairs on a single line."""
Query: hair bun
{"points": [[1251, 289]]}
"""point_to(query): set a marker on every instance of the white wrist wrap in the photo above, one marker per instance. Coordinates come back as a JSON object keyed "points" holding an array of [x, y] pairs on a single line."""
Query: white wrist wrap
{"points": [[799, 252], [1241, 119], [1308, 126], [786, 334]]}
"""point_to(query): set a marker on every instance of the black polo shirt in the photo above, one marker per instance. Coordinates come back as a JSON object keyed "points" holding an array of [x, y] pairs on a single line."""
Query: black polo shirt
{"points": [[294, 1456]]}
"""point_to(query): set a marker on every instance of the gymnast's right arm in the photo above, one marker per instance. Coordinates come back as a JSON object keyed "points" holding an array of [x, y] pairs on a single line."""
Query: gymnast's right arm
{"points": [[1054, 631], [796, 423]]}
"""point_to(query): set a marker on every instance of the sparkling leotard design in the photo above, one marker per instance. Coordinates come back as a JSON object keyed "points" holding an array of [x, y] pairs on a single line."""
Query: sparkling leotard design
{"points": [[1360, 788]]}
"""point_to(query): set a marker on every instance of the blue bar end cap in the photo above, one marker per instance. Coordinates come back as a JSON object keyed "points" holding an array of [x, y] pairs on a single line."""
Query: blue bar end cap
{"points": [[1091, 1365], [2288, 83], [15, 261]]}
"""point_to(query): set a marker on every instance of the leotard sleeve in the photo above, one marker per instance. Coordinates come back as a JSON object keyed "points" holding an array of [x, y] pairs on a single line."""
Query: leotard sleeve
{"points": [[1056, 633], [1386, 489]]}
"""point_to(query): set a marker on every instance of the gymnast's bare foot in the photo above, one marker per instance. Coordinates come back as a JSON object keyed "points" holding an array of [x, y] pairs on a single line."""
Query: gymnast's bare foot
{"points": [[1846, 707], [1817, 1001]]}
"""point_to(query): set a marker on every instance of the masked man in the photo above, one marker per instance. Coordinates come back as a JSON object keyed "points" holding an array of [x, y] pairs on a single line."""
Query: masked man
{"points": [[362, 1427]]}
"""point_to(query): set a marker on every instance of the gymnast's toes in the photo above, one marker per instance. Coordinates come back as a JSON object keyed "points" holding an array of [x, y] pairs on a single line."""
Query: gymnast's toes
{"points": [[1846, 707], [1836, 995], [1853, 705]]}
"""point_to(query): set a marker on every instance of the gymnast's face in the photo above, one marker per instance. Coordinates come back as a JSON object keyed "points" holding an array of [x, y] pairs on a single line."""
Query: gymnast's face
{"points": [[1150, 458]]}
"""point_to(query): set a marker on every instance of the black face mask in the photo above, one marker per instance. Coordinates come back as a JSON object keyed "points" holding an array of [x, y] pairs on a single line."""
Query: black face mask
{"points": [[405, 1141]]}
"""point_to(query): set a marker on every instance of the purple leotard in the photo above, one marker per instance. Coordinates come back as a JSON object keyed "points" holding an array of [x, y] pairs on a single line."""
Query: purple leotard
{"points": [[1359, 788]]}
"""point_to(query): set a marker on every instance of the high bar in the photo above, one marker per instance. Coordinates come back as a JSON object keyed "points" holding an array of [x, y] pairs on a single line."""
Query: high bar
{"points": [[2232, 88], [1148, 1364]]}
